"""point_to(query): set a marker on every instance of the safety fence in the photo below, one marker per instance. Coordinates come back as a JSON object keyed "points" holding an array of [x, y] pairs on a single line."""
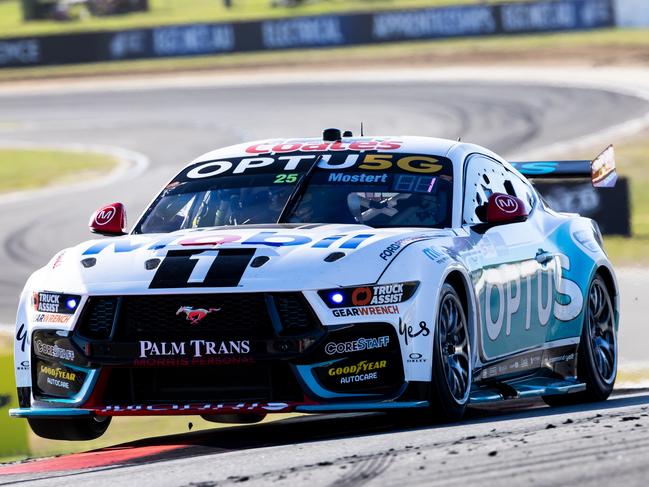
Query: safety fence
{"points": [[309, 32]]}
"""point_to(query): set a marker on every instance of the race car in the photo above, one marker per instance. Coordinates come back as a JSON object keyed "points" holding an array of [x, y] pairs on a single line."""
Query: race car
{"points": [[324, 275]]}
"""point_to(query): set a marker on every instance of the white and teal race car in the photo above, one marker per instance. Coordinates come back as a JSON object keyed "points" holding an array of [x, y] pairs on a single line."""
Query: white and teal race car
{"points": [[324, 275]]}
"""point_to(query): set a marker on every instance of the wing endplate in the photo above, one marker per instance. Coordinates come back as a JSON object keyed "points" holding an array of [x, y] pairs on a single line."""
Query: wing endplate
{"points": [[601, 170]]}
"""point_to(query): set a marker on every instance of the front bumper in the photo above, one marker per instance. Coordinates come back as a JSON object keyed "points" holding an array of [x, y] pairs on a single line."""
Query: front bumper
{"points": [[111, 364], [297, 408]]}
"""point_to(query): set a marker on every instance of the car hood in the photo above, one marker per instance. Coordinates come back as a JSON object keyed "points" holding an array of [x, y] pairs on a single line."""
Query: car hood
{"points": [[297, 257]]}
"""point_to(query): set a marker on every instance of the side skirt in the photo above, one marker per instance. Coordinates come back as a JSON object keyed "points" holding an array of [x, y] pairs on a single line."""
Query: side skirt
{"points": [[524, 388]]}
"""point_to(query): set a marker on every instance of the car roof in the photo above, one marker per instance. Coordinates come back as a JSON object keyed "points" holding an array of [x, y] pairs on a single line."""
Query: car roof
{"points": [[452, 149]]}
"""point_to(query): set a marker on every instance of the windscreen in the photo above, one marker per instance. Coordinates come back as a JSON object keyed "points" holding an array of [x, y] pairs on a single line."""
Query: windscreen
{"points": [[375, 189]]}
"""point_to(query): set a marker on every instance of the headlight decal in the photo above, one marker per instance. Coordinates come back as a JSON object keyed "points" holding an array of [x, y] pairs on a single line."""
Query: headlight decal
{"points": [[369, 296], [59, 303]]}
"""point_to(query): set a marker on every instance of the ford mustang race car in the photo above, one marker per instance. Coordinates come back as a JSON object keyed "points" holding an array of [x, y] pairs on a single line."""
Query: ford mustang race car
{"points": [[324, 275]]}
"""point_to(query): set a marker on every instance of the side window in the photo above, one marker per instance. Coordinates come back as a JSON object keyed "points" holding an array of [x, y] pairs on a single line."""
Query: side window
{"points": [[485, 176], [482, 177], [523, 191]]}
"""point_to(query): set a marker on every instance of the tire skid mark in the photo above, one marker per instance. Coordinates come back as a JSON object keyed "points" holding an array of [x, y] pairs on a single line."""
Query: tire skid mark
{"points": [[365, 470], [543, 455]]}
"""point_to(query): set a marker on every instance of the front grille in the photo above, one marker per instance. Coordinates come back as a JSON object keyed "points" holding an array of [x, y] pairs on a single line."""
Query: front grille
{"points": [[257, 382], [160, 317], [294, 313], [97, 318]]}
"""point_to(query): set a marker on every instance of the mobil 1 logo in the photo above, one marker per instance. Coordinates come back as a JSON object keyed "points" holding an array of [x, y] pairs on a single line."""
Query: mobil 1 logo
{"points": [[202, 268]]}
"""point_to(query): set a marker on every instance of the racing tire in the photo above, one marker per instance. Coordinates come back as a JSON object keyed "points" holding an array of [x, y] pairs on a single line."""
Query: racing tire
{"points": [[234, 418], [70, 429], [597, 353], [451, 377]]}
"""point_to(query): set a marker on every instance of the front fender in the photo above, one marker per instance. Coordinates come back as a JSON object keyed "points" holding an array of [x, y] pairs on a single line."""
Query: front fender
{"points": [[432, 266]]}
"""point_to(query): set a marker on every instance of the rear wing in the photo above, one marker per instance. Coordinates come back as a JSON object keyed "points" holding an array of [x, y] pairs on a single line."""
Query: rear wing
{"points": [[600, 170]]}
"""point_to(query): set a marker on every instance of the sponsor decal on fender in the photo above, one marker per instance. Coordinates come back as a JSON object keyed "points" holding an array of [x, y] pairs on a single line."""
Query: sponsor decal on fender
{"points": [[359, 345], [366, 311], [21, 337], [436, 255], [53, 351], [359, 378], [57, 377], [193, 348], [415, 358], [345, 299], [362, 366], [388, 294], [24, 365], [56, 372], [51, 318], [409, 331], [394, 248], [47, 302], [58, 381], [58, 260], [363, 371]]}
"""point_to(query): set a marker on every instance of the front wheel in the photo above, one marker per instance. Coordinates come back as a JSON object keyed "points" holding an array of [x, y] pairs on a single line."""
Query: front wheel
{"points": [[71, 429], [597, 355], [451, 374]]}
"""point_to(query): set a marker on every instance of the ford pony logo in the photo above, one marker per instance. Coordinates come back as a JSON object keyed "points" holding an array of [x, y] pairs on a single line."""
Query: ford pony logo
{"points": [[195, 315]]}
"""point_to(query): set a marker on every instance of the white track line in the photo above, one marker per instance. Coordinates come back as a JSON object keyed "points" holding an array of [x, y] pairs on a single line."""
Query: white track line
{"points": [[629, 81]]}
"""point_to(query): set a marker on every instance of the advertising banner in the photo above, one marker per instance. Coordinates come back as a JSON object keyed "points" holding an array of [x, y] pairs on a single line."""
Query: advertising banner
{"points": [[308, 32]]}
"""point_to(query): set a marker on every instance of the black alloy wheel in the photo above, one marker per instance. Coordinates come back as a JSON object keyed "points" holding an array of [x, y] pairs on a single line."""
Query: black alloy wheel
{"points": [[451, 373], [597, 355]]}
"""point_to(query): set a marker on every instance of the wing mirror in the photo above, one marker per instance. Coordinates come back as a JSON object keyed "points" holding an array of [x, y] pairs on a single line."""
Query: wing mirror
{"points": [[109, 220], [504, 208]]}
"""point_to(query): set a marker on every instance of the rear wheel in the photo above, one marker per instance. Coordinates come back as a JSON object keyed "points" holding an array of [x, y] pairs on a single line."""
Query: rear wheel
{"points": [[451, 374], [71, 429], [597, 356]]}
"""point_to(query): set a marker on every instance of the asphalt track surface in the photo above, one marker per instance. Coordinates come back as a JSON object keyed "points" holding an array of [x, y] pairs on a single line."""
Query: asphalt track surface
{"points": [[586, 445]]}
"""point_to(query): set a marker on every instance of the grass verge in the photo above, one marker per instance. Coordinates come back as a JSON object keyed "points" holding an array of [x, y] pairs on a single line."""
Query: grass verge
{"points": [[28, 169], [14, 442], [601, 47], [164, 12], [632, 376]]}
